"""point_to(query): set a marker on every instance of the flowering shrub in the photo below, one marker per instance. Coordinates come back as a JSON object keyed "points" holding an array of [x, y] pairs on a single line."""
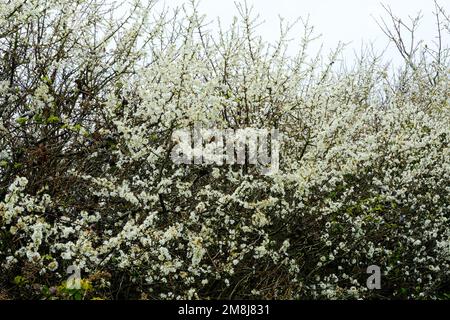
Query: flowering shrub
{"points": [[88, 105]]}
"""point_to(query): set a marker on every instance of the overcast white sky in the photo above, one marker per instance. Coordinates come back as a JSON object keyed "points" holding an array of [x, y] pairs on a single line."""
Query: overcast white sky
{"points": [[346, 20]]}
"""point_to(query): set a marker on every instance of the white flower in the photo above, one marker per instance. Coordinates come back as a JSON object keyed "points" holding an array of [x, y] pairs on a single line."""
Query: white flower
{"points": [[52, 266]]}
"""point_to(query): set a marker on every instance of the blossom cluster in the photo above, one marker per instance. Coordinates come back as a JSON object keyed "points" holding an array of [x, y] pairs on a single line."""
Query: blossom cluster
{"points": [[88, 108]]}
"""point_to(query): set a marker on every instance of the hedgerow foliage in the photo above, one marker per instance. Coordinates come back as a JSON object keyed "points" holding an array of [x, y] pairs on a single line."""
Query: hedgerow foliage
{"points": [[89, 98]]}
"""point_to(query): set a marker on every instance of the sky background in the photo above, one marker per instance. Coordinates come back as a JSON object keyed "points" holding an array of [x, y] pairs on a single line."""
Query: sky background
{"points": [[350, 21]]}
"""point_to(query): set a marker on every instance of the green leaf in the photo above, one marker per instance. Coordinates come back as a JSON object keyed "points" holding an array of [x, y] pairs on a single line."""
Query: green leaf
{"points": [[53, 119], [46, 80], [19, 280], [21, 120], [38, 119], [403, 291], [154, 137], [18, 165]]}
